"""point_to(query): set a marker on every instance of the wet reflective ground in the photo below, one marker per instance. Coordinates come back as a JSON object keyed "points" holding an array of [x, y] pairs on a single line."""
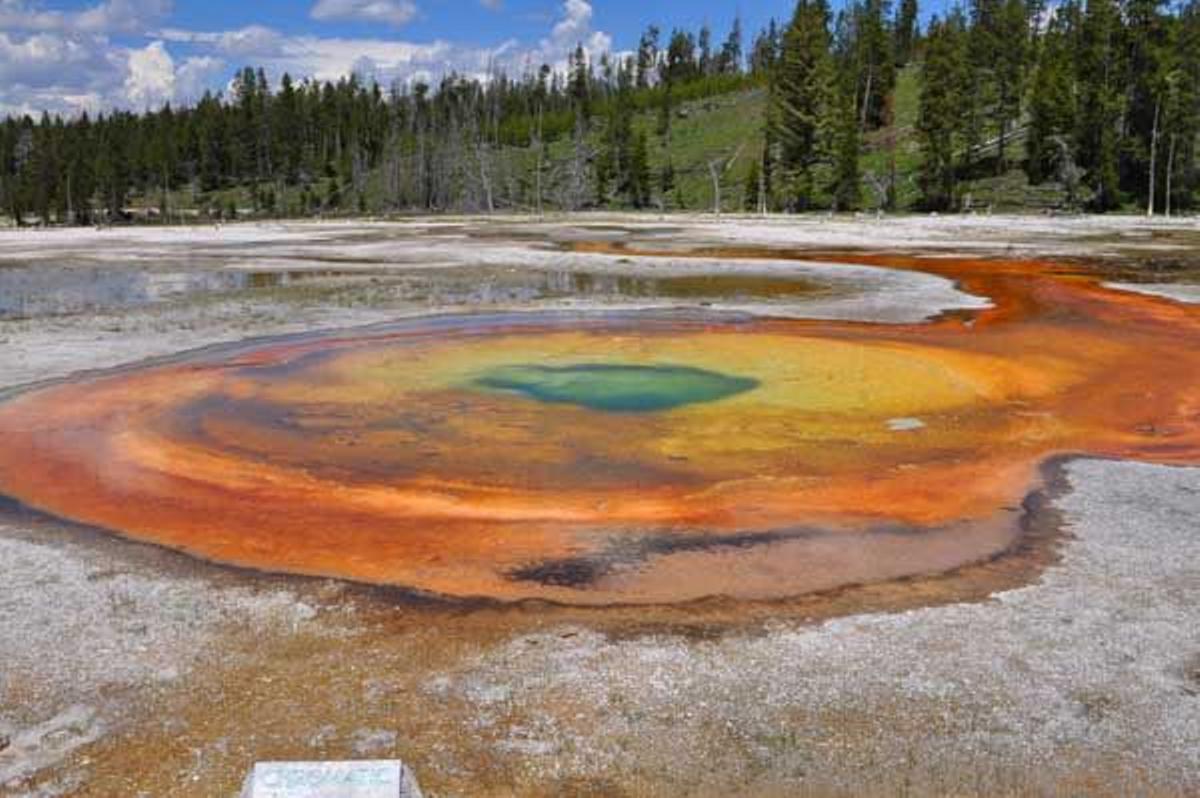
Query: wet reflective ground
{"points": [[45, 289]]}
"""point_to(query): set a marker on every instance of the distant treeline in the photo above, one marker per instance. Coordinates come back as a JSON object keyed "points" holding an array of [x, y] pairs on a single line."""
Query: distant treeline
{"points": [[304, 147], [1098, 97]]}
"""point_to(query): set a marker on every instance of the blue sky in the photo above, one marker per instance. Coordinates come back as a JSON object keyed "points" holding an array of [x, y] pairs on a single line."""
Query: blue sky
{"points": [[66, 56], [470, 21]]}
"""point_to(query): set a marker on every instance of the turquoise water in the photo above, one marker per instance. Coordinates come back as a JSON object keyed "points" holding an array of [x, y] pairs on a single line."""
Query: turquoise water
{"points": [[616, 388]]}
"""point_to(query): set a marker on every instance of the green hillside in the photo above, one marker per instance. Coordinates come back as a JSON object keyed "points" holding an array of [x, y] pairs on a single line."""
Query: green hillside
{"points": [[718, 129], [726, 129]]}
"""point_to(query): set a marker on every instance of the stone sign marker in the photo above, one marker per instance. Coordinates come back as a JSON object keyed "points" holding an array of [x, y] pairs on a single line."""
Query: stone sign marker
{"points": [[388, 778]]}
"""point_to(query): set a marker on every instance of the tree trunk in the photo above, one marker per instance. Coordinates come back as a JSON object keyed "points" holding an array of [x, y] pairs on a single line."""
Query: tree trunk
{"points": [[538, 176], [717, 169], [485, 178], [1153, 161], [1170, 174], [890, 204], [866, 106], [1000, 154], [762, 190], [715, 172]]}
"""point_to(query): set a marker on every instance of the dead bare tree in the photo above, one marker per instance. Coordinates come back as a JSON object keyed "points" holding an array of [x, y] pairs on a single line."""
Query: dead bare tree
{"points": [[539, 148], [483, 159], [1153, 158], [880, 186], [1170, 173], [718, 168], [577, 180]]}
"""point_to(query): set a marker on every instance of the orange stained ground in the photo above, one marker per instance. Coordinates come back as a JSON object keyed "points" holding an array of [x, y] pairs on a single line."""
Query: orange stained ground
{"points": [[373, 456]]}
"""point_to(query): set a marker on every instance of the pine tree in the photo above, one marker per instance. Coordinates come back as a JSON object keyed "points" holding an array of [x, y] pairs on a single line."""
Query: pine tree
{"points": [[581, 84], [666, 181], [729, 62], [1101, 102], [681, 64], [707, 63], [942, 115], [1009, 72], [647, 56], [906, 31], [984, 43], [1183, 125], [1052, 98], [764, 55], [750, 189], [850, 56], [639, 181], [801, 100], [847, 180], [1147, 66], [284, 123], [876, 61]]}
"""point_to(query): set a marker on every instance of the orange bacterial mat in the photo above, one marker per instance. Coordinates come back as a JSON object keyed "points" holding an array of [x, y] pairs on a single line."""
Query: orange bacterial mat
{"points": [[621, 458]]}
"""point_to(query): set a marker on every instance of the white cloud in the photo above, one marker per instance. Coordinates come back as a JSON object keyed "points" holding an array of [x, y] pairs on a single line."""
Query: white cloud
{"points": [[62, 74], [126, 16], [387, 60], [110, 16], [575, 23], [40, 59], [330, 58], [65, 62], [251, 41], [151, 79], [195, 76], [34, 103], [573, 29], [389, 12]]}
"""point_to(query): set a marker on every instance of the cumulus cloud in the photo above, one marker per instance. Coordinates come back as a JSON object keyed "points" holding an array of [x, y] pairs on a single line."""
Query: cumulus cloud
{"points": [[576, 21], [330, 59], [68, 62], [253, 41], [57, 73], [39, 60], [125, 16], [195, 76], [110, 16], [572, 29], [389, 12], [151, 79]]}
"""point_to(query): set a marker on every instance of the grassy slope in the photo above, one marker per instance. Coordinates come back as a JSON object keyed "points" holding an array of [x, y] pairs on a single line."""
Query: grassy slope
{"points": [[725, 126], [902, 135], [718, 129], [720, 126]]}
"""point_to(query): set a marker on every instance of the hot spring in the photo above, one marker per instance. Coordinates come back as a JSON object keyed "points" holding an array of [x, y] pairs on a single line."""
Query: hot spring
{"points": [[617, 458]]}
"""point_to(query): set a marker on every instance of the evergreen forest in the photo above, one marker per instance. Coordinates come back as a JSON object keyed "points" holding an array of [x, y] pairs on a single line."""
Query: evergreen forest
{"points": [[1083, 105]]}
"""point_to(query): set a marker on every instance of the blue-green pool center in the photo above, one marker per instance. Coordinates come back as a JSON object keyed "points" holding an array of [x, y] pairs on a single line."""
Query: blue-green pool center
{"points": [[616, 388]]}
